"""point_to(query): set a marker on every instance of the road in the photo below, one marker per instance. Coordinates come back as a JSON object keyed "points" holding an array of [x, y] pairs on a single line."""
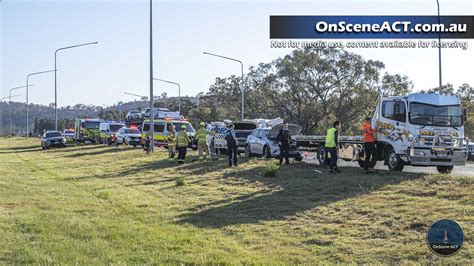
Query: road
{"points": [[466, 170]]}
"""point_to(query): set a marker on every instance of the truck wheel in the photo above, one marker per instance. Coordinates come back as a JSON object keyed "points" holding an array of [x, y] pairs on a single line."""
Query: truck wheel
{"points": [[394, 161], [321, 155], [444, 169]]}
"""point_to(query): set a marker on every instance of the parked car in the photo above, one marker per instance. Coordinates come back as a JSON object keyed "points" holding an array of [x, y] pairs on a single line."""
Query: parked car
{"points": [[128, 136], [156, 112], [242, 130], [69, 134], [470, 154], [217, 141], [52, 139], [134, 115], [107, 131], [263, 142]]}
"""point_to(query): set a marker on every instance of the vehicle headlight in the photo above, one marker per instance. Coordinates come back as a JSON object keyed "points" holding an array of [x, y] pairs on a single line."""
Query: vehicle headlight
{"points": [[410, 137]]}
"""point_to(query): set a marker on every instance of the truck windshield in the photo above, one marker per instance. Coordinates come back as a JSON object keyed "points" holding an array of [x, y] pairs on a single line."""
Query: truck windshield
{"points": [[91, 124], [435, 115]]}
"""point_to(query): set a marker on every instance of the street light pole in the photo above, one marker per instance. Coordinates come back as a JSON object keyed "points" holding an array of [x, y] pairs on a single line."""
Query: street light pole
{"points": [[1, 111], [439, 48], [179, 91], [152, 122], [10, 105], [27, 78], [242, 82], [55, 80], [136, 95]]}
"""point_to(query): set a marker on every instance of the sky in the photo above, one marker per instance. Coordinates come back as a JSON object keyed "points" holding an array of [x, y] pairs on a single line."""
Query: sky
{"points": [[99, 74]]}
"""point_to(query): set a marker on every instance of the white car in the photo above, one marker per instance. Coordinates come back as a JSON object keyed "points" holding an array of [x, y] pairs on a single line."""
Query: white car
{"points": [[263, 142], [128, 136]]}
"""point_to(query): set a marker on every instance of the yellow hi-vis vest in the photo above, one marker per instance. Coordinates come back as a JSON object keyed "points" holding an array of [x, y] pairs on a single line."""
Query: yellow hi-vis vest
{"points": [[330, 140], [171, 138], [182, 139], [201, 135]]}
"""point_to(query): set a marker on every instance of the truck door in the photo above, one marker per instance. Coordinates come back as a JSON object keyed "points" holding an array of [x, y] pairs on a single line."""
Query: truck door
{"points": [[392, 124]]}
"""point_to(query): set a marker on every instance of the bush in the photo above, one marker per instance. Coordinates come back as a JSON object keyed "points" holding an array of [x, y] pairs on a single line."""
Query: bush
{"points": [[180, 181], [271, 170]]}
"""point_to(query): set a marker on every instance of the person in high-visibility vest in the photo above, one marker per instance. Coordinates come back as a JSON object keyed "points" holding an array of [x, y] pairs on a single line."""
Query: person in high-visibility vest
{"points": [[171, 143], [330, 145], [182, 141], [201, 136], [369, 146]]}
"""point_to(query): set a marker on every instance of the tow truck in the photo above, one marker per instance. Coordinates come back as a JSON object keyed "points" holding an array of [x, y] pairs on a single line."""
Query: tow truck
{"points": [[420, 129]]}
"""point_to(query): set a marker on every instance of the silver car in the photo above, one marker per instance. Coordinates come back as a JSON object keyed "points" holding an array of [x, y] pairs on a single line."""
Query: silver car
{"points": [[263, 142]]}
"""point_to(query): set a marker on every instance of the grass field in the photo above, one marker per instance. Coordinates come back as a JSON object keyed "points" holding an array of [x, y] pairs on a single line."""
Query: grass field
{"points": [[97, 204]]}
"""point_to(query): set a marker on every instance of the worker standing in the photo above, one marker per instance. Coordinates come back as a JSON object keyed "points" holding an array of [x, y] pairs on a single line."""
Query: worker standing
{"points": [[182, 141], [369, 146], [231, 141], [171, 142], [284, 139], [201, 135], [331, 143]]}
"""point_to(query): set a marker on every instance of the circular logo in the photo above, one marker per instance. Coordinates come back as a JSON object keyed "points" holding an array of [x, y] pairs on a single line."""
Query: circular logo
{"points": [[445, 237]]}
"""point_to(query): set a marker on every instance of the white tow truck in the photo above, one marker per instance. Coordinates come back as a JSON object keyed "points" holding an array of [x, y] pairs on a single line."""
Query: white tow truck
{"points": [[421, 129]]}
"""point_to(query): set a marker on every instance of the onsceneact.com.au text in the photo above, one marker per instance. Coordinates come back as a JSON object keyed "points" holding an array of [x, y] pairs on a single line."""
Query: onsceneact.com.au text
{"points": [[396, 26]]}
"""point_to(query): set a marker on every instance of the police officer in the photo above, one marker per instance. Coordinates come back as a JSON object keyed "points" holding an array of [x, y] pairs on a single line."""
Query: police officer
{"points": [[284, 139], [182, 141], [201, 136], [330, 145], [231, 140], [171, 142]]}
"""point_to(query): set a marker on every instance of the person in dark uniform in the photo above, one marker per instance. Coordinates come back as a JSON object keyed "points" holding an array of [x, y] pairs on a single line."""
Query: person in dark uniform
{"points": [[284, 139], [231, 145]]}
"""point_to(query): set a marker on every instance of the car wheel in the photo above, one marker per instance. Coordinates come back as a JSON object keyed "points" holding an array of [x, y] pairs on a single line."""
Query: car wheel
{"points": [[394, 161], [299, 158], [444, 169], [43, 147]]}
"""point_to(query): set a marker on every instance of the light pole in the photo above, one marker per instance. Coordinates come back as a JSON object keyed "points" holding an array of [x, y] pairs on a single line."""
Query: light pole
{"points": [[439, 48], [242, 82], [1, 116], [55, 81], [136, 95], [152, 122], [179, 91], [10, 105], [27, 77]]}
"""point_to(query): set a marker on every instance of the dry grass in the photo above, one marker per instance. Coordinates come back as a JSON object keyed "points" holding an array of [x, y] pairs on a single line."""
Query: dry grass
{"points": [[97, 204]]}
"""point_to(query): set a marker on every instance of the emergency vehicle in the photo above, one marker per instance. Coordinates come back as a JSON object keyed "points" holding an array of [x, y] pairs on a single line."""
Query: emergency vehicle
{"points": [[420, 129], [161, 125], [107, 131], [87, 129]]}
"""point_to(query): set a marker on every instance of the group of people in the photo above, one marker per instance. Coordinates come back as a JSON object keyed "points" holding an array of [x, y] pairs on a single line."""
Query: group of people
{"points": [[331, 144], [179, 141]]}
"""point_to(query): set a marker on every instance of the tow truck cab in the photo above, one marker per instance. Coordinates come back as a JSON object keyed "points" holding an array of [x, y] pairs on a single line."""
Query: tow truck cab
{"points": [[421, 129]]}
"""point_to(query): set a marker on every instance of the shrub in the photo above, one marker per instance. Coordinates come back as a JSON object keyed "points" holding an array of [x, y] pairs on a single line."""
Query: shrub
{"points": [[270, 170], [180, 181]]}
